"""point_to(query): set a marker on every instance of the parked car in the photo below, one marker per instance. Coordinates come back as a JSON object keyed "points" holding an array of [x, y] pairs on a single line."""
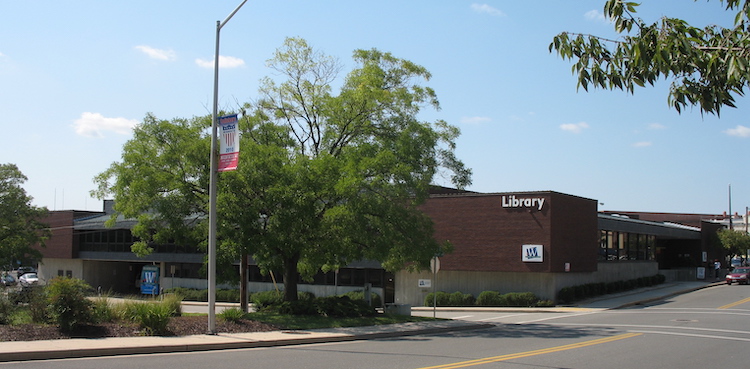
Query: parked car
{"points": [[740, 275], [7, 280], [28, 280], [23, 270]]}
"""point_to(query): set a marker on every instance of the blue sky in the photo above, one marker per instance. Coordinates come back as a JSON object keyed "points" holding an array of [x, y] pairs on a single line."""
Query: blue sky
{"points": [[76, 76]]}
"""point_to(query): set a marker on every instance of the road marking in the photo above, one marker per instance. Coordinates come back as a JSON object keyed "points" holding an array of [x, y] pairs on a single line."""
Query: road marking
{"points": [[501, 317], [696, 335], [519, 355], [463, 317], [729, 306], [554, 317]]}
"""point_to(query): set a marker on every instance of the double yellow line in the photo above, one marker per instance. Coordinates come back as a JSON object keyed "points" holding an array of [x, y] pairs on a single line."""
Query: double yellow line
{"points": [[519, 355], [729, 306]]}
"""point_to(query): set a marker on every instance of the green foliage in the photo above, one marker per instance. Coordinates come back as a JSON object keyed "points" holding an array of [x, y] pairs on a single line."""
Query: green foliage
{"points": [[38, 304], [7, 309], [265, 299], [173, 303], [102, 311], [734, 242], [516, 299], [192, 294], [20, 222], [151, 317], [708, 66], [324, 179], [68, 304], [343, 306], [307, 304], [449, 299], [232, 315], [489, 298], [584, 291], [360, 295]]}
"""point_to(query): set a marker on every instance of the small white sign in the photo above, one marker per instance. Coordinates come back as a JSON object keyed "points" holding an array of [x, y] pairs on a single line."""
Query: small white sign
{"points": [[425, 283], [532, 253]]}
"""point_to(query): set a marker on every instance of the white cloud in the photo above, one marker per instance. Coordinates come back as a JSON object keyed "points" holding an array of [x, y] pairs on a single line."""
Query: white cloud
{"points": [[474, 120], [484, 8], [595, 15], [739, 131], [656, 126], [157, 53], [94, 125], [224, 62], [642, 144], [574, 127]]}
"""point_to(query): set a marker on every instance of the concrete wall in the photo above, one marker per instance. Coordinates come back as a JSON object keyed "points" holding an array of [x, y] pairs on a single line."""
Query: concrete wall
{"points": [[543, 285], [49, 267], [317, 290]]}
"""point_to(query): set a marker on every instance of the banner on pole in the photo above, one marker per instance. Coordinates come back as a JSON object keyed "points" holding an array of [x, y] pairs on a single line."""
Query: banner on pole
{"points": [[229, 154]]}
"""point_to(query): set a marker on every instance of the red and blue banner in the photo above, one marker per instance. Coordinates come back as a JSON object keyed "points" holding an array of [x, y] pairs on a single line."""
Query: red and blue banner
{"points": [[229, 154]]}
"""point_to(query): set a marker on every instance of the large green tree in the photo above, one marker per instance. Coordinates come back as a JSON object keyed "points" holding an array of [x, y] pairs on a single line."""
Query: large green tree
{"points": [[733, 241], [21, 226], [709, 66], [324, 179]]}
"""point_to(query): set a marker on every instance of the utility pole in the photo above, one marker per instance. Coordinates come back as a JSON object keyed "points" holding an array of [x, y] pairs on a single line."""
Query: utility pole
{"points": [[212, 185]]}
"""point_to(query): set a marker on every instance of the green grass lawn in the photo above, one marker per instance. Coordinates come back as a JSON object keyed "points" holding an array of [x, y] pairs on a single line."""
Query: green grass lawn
{"points": [[316, 322]]}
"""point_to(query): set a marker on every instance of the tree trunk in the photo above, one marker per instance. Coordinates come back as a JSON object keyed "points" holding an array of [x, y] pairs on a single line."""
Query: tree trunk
{"points": [[243, 281], [291, 275]]}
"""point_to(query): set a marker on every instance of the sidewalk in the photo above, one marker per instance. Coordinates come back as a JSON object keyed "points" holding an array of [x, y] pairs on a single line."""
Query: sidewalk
{"points": [[75, 348]]}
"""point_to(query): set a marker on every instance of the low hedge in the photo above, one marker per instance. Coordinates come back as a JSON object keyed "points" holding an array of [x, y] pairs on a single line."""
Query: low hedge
{"points": [[576, 293], [486, 298]]}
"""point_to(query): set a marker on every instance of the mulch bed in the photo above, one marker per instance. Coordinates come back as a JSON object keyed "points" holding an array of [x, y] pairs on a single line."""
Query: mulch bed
{"points": [[178, 326]]}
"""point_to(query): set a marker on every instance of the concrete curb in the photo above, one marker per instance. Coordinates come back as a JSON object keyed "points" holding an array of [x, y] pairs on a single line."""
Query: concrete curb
{"points": [[161, 345]]}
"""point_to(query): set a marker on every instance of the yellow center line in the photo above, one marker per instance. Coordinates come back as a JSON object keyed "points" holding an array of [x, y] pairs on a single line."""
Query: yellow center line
{"points": [[519, 355], [729, 306]]}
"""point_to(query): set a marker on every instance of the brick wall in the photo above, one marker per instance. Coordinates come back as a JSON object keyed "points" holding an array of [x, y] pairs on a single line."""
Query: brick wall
{"points": [[487, 236]]}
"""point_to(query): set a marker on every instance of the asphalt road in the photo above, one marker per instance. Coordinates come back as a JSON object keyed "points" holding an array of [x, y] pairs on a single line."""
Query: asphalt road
{"points": [[708, 328]]}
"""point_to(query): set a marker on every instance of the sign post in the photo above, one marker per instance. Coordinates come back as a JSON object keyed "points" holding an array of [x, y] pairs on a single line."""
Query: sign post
{"points": [[434, 266]]}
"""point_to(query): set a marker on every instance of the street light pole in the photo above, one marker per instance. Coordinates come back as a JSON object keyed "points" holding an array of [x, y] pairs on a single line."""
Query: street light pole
{"points": [[212, 185]]}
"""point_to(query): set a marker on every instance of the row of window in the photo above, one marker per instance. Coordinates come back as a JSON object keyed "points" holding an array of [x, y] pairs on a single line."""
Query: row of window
{"points": [[120, 240], [626, 246], [344, 277]]}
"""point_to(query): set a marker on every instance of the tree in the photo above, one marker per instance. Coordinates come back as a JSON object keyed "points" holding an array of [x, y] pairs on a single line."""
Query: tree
{"points": [[708, 66], [734, 242], [21, 226], [162, 182], [323, 180]]}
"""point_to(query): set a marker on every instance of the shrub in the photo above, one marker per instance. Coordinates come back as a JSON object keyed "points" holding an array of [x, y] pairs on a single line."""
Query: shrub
{"points": [[580, 292], [68, 304], [232, 315], [102, 311], [189, 294], [173, 303], [299, 307], [152, 318], [360, 295], [262, 300], [460, 299], [523, 299], [228, 295], [343, 306], [7, 308], [489, 298], [440, 298]]}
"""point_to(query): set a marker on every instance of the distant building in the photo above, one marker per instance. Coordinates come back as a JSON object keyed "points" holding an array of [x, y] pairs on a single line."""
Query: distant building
{"points": [[534, 242]]}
